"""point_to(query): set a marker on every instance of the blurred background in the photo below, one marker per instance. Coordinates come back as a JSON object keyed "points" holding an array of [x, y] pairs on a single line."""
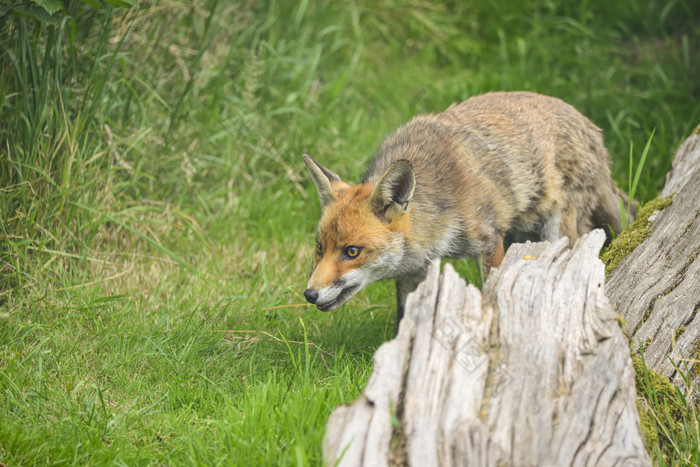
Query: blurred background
{"points": [[157, 223]]}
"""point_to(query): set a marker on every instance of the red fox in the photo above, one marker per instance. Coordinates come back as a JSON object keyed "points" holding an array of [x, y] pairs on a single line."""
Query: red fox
{"points": [[453, 185]]}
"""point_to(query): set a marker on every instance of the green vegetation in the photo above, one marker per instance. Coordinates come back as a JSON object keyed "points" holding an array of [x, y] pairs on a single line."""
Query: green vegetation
{"points": [[669, 418], [157, 225], [638, 231]]}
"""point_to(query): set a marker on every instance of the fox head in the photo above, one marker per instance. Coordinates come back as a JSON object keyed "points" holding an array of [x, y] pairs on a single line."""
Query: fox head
{"points": [[362, 232]]}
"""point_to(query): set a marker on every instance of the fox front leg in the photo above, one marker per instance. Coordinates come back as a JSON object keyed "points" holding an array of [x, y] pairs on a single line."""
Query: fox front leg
{"points": [[404, 286], [494, 259]]}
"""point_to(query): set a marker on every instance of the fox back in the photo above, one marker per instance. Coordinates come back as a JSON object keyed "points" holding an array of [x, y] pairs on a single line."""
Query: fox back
{"points": [[454, 185]]}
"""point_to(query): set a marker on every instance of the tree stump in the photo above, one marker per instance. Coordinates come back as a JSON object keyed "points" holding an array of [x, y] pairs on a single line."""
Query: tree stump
{"points": [[535, 371], [656, 287]]}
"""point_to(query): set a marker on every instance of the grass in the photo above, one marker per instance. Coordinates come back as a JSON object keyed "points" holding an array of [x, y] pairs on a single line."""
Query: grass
{"points": [[670, 419], [157, 224]]}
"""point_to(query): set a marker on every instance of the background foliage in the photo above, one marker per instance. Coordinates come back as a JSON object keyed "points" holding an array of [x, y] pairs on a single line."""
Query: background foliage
{"points": [[156, 223]]}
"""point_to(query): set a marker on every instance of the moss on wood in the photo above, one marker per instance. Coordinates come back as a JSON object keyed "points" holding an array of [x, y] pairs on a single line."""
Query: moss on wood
{"points": [[649, 383], [634, 235]]}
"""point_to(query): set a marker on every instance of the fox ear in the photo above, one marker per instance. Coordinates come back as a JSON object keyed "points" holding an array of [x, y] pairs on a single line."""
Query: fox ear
{"points": [[393, 192], [323, 179]]}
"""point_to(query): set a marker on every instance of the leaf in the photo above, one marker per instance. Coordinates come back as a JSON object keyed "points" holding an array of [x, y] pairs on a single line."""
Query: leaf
{"points": [[30, 10], [123, 3], [51, 6]]}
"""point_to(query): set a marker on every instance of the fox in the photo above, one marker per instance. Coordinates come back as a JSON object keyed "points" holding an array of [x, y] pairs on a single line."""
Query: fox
{"points": [[461, 183]]}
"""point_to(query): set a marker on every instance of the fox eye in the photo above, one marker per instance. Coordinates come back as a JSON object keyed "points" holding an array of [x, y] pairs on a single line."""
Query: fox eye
{"points": [[352, 251], [319, 249]]}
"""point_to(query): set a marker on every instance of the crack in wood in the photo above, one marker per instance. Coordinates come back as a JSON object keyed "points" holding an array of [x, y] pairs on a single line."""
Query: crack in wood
{"points": [[656, 287], [556, 380]]}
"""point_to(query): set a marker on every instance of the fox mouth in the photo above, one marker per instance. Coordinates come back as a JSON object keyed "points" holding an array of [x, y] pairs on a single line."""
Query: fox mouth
{"points": [[344, 294]]}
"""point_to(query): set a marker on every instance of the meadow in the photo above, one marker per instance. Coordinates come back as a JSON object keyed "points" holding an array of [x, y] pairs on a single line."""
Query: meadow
{"points": [[157, 222]]}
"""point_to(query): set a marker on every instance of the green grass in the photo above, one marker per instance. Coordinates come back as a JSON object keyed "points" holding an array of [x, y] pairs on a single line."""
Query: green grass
{"points": [[670, 419], [157, 224]]}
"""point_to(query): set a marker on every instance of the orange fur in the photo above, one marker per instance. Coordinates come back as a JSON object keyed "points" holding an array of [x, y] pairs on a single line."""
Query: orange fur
{"points": [[455, 184]]}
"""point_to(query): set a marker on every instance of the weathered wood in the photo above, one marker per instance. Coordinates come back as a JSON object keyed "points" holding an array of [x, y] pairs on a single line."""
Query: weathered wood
{"points": [[535, 372], [657, 286]]}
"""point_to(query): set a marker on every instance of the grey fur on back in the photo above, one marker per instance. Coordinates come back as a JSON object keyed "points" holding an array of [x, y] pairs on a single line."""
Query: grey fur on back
{"points": [[509, 162]]}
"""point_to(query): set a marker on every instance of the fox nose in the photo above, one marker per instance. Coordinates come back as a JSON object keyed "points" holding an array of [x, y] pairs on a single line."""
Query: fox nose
{"points": [[311, 295]]}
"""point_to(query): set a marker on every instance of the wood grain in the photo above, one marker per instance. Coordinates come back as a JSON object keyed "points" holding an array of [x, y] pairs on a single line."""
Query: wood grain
{"points": [[535, 371], [657, 286]]}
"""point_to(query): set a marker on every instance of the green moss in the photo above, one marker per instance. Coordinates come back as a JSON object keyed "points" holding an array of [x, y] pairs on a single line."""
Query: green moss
{"points": [[635, 234], [658, 382], [397, 449], [648, 381], [649, 433], [679, 332], [695, 367], [622, 322], [661, 412]]}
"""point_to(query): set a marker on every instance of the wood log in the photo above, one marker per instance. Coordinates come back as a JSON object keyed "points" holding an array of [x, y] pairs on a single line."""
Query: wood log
{"points": [[535, 371], [656, 287]]}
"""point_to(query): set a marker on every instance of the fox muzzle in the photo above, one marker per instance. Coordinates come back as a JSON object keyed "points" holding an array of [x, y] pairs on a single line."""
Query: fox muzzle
{"points": [[311, 296]]}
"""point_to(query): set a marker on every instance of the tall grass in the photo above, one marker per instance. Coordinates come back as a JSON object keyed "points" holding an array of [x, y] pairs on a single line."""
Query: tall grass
{"points": [[669, 415], [156, 223], [52, 145]]}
